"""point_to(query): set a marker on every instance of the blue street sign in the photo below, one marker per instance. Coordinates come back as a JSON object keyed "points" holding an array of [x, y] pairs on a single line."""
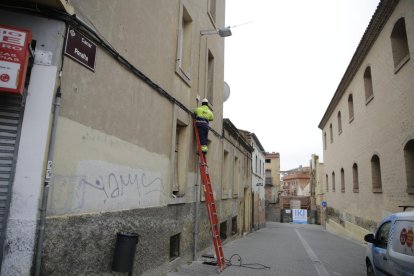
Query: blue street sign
{"points": [[324, 204]]}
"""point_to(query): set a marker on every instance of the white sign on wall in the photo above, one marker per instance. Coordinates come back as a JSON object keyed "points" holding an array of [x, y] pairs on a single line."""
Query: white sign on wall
{"points": [[300, 216]]}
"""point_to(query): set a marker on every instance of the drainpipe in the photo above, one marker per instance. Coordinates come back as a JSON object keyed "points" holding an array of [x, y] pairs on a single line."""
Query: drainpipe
{"points": [[46, 184], [197, 207]]}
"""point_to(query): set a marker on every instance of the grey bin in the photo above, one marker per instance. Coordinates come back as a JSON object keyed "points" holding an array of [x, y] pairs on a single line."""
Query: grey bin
{"points": [[124, 254]]}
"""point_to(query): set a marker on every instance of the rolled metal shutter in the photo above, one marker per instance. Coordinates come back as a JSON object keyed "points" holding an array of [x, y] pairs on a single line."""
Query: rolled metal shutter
{"points": [[11, 113]]}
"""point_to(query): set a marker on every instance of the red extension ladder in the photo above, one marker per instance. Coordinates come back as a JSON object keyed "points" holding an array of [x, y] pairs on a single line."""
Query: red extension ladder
{"points": [[210, 204]]}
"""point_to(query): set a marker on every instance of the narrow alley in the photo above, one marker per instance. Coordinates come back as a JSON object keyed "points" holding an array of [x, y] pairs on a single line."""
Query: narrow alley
{"points": [[287, 249]]}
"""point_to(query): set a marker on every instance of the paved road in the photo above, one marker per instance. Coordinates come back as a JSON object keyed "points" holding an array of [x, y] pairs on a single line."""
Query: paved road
{"points": [[288, 249]]}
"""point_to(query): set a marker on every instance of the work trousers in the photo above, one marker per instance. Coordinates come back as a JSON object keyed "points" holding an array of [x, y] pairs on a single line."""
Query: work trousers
{"points": [[203, 133]]}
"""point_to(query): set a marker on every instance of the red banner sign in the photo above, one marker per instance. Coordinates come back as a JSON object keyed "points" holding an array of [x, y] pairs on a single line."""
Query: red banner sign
{"points": [[14, 57]]}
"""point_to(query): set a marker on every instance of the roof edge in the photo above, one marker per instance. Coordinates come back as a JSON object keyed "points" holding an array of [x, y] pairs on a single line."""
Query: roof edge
{"points": [[384, 10]]}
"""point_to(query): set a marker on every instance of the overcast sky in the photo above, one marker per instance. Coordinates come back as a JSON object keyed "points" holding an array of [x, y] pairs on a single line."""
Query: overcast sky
{"points": [[284, 65]]}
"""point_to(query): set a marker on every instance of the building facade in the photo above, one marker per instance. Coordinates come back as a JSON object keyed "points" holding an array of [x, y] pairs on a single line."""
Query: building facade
{"points": [[106, 136], [317, 187], [368, 127], [237, 176], [272, 176], [296, 182], [258, 179], [317, 180]]}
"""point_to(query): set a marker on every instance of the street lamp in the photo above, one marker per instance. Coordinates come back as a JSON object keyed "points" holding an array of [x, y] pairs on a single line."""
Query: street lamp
{"points": [[223, 32]]}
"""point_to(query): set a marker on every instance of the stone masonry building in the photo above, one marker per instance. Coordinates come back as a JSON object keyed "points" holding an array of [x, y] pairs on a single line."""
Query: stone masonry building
{"points": [[368, 127]]}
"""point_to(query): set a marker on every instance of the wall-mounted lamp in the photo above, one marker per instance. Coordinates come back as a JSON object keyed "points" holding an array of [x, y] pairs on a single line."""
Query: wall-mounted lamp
{"points": [[223, 32]]}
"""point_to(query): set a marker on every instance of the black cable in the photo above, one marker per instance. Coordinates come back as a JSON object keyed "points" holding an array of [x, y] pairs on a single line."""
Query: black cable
{"points": [[76, 23], [240, 264]]}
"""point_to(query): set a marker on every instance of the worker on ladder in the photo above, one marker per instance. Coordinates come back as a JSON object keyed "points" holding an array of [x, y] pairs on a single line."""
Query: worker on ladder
{"points": [[203, 116]]}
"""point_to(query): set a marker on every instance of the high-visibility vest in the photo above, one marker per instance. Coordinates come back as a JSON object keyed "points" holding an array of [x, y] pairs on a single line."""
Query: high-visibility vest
{"points": [[204, 112]]}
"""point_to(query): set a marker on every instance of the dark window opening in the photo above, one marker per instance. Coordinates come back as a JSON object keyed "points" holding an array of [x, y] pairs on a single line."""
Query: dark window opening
{"points": [[355, 178], [351, 107], [399, 44], [175, 246], [409, 165], [223, 230], [376, 174], [234, 225], [210, 78], [331, 132], [368, 85], [339, 122]]}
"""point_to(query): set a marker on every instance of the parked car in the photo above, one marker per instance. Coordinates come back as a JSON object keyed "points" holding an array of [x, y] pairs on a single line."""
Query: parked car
{"points": [[390, 250]]}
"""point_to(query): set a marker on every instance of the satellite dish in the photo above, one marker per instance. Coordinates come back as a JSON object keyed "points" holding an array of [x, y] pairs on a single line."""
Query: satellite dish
{"points": [[226, 93]]}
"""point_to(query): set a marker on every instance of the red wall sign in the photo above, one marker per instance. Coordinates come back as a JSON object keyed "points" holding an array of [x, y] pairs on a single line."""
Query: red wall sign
{"points": [[14, 57]]}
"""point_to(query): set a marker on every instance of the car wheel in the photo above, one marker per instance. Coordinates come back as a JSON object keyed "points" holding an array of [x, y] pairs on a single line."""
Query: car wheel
{"points": [[370, 269]]}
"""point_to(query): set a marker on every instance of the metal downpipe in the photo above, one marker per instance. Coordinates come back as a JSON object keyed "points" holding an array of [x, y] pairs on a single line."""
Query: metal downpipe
{"points": [[46, 183], [197, 207]]}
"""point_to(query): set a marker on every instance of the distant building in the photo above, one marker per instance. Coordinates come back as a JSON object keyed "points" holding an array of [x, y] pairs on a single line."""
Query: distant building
{"points": [[258, 179], [236, 179], [368, 127], [272, 176], [296, 182], [317, 180], [317, 191]]}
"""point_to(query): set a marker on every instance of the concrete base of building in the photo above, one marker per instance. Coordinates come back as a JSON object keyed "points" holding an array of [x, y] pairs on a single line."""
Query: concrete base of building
{"points": [[350, 230], [84, 244], [348, 225]]}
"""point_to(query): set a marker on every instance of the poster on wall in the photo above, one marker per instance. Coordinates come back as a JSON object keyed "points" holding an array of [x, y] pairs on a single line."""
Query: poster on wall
{"points": [[14, 57], [300, 216]]}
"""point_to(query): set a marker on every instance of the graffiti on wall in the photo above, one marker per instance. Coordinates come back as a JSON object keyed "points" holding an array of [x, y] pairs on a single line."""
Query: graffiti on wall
{"points": [[113, 185], [99, 185]]}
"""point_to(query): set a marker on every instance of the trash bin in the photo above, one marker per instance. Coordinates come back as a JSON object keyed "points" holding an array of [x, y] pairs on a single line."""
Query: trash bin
{"points": [[124, 254]]}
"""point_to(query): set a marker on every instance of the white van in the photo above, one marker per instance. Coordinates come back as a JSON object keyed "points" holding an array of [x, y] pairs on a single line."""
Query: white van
{"points": [[390, 250]]}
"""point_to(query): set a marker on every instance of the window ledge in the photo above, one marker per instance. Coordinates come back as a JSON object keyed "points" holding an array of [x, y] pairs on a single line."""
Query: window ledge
{"points": [[351, 119], [410, 190], [370, 98], [342, 191], [340, 132], [377, 190], [177, 200], [401, 63], [356, 190]]}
